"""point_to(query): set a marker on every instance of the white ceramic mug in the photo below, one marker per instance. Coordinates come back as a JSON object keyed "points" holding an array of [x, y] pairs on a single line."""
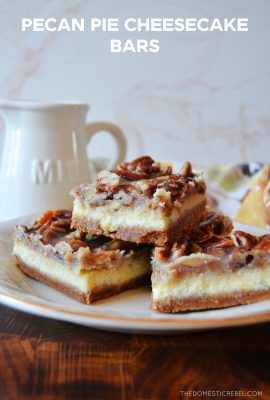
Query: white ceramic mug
{"points": [[44, 154]]}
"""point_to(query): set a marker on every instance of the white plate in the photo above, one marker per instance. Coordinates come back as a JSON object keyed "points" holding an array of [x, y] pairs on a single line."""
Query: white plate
{"points": [[127, 312]]}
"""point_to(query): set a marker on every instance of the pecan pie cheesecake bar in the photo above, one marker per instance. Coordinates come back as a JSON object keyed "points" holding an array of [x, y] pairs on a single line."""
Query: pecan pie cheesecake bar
{"points": [[84, 266], [211, 271], [142, 201]]}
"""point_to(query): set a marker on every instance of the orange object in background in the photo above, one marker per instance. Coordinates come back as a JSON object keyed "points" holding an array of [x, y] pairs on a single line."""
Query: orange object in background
{"points": [[255, 207]]}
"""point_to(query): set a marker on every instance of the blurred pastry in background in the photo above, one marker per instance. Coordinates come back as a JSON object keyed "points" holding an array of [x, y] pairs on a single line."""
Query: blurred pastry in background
{"points": [[232, 178], [255, 206]]}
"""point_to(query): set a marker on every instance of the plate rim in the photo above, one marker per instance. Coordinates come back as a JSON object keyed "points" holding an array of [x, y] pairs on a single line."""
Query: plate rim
{"points": [[125, 323], [165, 324]]}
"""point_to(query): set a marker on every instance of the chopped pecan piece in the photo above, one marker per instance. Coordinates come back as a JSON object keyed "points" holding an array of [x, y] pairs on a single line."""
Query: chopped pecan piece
{"points": [[61, 213], [173, 185], [75, 243], [222, 244], [186, 169], [244, 239], [61, 225], [212, 224], [216, 252], [52, 225], [47, 216]]}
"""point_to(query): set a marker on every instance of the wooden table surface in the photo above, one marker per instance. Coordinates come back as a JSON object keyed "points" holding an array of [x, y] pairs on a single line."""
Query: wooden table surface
{"points": [[46, 359]]}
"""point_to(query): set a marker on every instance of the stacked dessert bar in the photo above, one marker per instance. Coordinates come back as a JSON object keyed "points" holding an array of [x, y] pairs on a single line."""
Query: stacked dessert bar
{"points": [[87, 267], [142, 202], [143, 219]]}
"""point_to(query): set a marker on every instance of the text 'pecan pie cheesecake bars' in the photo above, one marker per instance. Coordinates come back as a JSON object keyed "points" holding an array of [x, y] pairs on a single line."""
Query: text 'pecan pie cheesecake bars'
{"points": [[141, 202], [211, 272], [83, 266]]}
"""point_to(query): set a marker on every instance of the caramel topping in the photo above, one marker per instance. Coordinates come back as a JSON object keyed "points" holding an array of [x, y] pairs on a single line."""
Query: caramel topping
{"points": [[144, 175], [53, 228], [212, 224], [213, 236]]}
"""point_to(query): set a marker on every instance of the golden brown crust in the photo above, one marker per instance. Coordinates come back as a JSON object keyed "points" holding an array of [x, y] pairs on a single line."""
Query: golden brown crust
{"points": [[174, 305], [97, 293], [141, 235]]}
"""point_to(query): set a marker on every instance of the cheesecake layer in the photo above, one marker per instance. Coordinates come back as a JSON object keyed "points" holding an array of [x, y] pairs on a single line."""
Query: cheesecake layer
{"points": [[112, 216], [87, 267], [138, 224], [141, 201], [213, 283]]}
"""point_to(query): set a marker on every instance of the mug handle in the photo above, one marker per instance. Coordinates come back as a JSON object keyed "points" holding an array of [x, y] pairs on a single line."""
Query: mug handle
{"points": [[115, 131]]}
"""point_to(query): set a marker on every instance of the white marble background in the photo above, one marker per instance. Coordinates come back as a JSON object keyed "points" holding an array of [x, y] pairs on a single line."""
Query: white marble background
{"points": [[203, 97]]}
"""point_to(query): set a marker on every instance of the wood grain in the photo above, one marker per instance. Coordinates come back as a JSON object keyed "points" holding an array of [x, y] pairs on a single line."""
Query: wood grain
{"points": [[47, 359]]}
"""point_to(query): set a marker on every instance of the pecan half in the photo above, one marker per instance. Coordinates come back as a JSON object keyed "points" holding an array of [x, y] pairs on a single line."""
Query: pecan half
{"points": [[224, 243], [141, 168]]}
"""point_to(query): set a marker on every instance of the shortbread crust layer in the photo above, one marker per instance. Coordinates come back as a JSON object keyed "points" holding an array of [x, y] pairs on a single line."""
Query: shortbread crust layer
{"points": [[174, 305]]}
